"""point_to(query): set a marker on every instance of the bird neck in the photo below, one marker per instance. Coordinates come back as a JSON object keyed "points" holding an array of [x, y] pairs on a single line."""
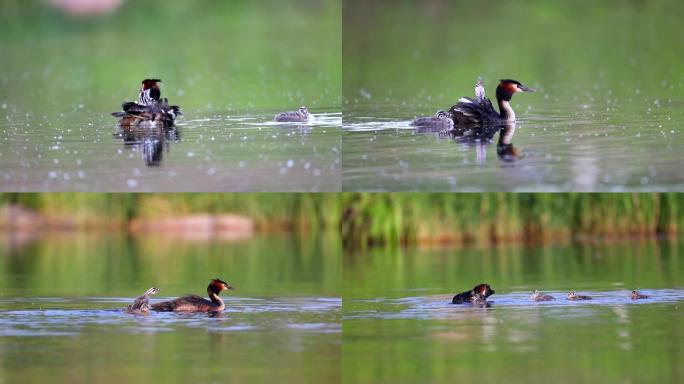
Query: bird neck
{"points": [[505, 111], [216, 300]]}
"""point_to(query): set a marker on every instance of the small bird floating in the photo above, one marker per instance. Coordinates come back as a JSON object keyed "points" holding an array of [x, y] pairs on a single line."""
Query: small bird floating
{"points": [[538, 296], [301, 115], [442, 120], [150, 110]]}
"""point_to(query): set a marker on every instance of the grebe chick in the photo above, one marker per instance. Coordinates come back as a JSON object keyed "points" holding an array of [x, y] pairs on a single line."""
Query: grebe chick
{"points": [[574, 296], [141, 305], [479, 300], [192, 303], [537, 296], [301, 115], [441, 120], [479, 111], [150, 110], [636, 295]]}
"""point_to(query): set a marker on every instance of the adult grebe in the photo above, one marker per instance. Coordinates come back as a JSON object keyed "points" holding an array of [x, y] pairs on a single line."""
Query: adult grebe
{"points": [[479, 111], [192, 303], [150, 109], [479, 292]]}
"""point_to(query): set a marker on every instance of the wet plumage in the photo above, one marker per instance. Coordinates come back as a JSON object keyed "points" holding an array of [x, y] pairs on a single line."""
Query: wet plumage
{"points": [[574, 296], [150, 110], [480, 111], [301, 115], [141, 305], [538, 296], [193, 303], [440, 121]]}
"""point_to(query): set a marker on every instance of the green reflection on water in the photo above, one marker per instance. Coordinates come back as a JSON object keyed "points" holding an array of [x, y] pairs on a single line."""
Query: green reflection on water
{"points": [[210, 54], [98, 265], [531, 344], [438, 47], [172, 348]]}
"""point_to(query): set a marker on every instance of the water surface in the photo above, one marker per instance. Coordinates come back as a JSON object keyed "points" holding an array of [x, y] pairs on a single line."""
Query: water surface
{"points": [[212, 152], [230, 66], [61, 297], [606, 116], [399, 325]]}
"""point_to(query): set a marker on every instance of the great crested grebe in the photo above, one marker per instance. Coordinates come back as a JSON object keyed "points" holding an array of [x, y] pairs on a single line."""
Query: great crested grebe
{"points": [[636, 295], [537, 296], [141, 305], [192, 303], [574, 296], [301, 115], [441, 120], [481, 291], [479, 111], [150, 109]]}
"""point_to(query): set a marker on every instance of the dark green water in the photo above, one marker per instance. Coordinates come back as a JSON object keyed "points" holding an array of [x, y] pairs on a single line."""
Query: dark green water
{"points": [[60, 318], [231, 66], [606, 115], [398, 325]]}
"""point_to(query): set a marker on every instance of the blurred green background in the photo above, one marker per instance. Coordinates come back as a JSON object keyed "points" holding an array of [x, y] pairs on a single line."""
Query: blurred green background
{"points": [[411, 50], [69, 264], [485, 219], [210, 54]]}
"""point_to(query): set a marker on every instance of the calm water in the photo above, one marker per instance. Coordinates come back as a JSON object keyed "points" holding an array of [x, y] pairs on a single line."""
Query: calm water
{"points": [[215, 152], [61, 295], [231, 67], [398, 325], [604, 119]]}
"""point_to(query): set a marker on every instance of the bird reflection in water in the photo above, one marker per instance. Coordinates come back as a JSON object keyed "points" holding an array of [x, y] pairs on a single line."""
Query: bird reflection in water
{"points": [[152, 142], [481, 137]]}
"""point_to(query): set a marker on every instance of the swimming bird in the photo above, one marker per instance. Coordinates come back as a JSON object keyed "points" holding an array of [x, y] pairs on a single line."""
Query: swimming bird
{"points": [[301, 115], [574, 296], [440, 121], [150, 109], [479, 111], [636, 295], [537, 296], [193, 303], [141, 305]]}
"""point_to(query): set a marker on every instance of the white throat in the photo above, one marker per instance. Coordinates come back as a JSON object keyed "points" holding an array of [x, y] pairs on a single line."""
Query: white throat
{"points": [[506, 106]]}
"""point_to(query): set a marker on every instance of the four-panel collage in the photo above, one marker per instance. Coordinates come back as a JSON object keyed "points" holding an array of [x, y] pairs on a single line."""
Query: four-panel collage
{"points": [[341, 191]]}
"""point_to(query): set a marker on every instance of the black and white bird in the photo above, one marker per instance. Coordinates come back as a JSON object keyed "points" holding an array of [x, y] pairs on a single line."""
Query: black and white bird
{"points": [[150, 109], [479, 111]]}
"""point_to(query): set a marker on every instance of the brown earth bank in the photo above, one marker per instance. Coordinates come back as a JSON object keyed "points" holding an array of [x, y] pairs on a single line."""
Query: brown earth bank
{"points": [[15, 218]]}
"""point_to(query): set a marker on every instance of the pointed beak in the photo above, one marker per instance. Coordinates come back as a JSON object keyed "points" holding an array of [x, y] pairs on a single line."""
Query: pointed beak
{"points": [[229, 286], [525, 88]]}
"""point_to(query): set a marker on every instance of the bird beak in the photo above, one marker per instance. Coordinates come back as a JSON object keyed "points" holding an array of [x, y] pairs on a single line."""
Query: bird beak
{"points": [[229, 287], [525, 88]]}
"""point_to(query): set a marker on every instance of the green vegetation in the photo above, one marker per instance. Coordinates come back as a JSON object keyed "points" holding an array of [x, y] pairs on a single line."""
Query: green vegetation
{"points": [[489, 218], [268, 210], [391, 218]]}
